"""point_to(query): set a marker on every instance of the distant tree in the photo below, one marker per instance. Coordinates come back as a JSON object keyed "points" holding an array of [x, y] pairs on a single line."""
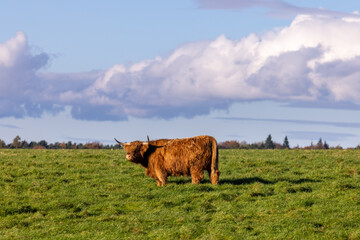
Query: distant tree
{"points": [[80, 146], [269, 144], [2, 144], [116, 146], [63, 145], [326, 146], [338, 147], [277, 145], [233, 144], [69, 145], [24, 144], [93, 145], [16, 142], [43, 143], [244, 145], [32, 144], [319, 144], [286, 144], [257, 145], [56, 145]]}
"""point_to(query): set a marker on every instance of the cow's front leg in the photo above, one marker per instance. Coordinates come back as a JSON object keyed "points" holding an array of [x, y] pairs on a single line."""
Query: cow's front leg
{"points": [[162, 182], [161, 177], [196, 176]]}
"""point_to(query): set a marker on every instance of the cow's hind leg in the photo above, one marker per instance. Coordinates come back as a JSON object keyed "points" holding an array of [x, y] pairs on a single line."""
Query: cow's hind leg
{"points": [[209, 172], [196, 176], [214, 176]]}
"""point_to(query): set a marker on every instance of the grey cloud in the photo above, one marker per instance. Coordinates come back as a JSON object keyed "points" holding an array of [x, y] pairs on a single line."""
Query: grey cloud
{"points": [[235, 136], [96, 113], [293, 121], [325, 136], [345, 105], [187, 111], [287, 75], [9, 126], [88, 140], [62, 82], [277, 8], [242, 4]]}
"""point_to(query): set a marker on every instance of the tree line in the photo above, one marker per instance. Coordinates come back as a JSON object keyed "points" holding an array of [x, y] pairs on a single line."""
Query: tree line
{"points": [[18, 143], [270, 144], [231, 144]]}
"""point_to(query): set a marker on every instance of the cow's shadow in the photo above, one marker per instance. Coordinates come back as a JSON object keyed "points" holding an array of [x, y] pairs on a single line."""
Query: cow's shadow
{"points": [[179, 180], [243, 181], [251, 180], [240, 181]]}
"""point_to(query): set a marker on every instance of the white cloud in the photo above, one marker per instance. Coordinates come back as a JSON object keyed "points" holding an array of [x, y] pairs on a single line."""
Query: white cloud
{"points": [[287, 64], [316, 58], [20, 87], [11, 50]]}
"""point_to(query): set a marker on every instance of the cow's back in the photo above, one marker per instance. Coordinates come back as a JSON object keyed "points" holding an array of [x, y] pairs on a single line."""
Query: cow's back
{"points": [[160, 142], [181, 156]]}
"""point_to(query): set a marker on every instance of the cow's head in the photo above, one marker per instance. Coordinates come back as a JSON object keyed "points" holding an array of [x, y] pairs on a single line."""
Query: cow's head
{"points": [[136, 151]]}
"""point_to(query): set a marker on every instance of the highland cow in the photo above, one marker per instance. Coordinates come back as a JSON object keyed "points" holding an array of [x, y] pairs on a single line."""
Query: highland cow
{"points": [[176, 157]]}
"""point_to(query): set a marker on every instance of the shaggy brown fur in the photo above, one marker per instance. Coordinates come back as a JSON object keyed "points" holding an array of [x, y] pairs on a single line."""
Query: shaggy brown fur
{"points": [[187, 156], [159, 142]]}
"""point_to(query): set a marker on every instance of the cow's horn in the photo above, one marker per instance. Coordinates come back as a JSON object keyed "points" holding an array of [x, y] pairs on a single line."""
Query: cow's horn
{"points": [[121, 143], [148, 141]]}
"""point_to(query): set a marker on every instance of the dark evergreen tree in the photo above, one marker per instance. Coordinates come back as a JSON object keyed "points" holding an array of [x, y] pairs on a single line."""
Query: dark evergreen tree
{"points": [[286, 144], [269, 144], [320, 144], [326, 146]]}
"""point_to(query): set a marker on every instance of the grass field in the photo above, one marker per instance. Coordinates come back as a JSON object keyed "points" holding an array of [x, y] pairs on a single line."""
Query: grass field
{"points": [[263, 194]]}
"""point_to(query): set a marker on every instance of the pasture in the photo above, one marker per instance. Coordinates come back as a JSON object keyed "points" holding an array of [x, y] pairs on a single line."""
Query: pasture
{"points": [[97, 194]]}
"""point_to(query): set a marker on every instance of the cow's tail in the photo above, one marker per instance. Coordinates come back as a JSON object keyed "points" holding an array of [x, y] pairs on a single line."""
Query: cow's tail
{"points": [[214, 176]]}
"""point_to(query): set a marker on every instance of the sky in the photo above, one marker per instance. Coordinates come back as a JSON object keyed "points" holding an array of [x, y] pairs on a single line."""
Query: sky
{"points": [[85, 71]]}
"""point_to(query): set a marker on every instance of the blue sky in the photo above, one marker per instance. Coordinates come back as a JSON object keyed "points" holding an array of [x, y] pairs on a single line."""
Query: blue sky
{"points": [[92, 70]]}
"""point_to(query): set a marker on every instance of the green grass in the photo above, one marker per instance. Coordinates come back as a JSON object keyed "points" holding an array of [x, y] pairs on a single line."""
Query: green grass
{"points": [[263, 194]]}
